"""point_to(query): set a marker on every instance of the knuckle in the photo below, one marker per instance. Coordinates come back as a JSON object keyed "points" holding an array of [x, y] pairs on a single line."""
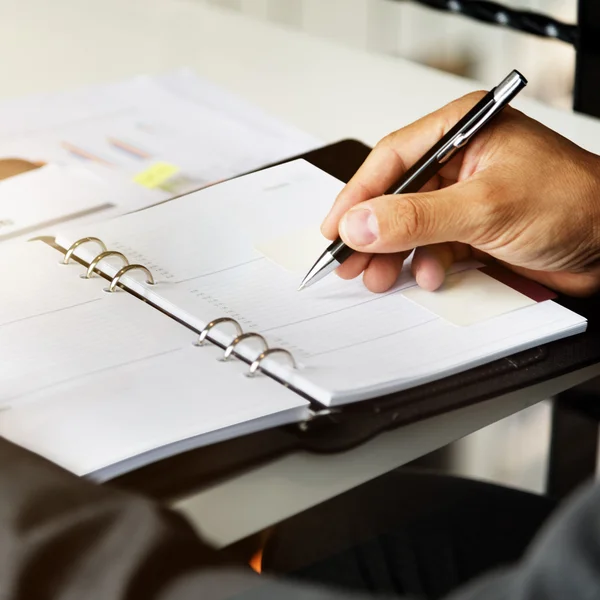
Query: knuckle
{"points": [[391, 146], [361, 189], [487, 209], [387, 142], [486, 196], [408, 219]]}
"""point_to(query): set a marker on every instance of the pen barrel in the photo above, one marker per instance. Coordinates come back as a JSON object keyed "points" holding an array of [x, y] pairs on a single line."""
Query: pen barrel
{"points": [[430, 164], [340, 251]]}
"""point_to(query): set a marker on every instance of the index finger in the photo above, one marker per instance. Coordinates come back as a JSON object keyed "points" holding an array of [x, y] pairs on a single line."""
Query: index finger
{"points": [[393, 155]]}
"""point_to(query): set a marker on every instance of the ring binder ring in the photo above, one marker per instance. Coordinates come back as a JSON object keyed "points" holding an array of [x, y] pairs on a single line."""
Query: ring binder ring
{"points": [[85, 240], [204, 333], [257, 363], [100, 258], [229, 350], [126, 269]]}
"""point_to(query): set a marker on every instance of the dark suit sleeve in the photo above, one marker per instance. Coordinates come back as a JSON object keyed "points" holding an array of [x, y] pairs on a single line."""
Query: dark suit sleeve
{"points": [[563, 563], [62, 538]]}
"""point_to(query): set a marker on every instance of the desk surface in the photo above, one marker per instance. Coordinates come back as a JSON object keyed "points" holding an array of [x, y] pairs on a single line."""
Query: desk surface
{"points": [[328, 90], [320, 87]]}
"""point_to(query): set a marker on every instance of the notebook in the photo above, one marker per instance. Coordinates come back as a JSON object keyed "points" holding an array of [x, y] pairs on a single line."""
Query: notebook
{"points": [[104, 383], [191, 329]]}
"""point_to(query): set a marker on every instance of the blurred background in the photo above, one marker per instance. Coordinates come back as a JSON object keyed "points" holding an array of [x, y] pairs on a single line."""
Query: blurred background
{"points": [[513, 451], [439, 39]]}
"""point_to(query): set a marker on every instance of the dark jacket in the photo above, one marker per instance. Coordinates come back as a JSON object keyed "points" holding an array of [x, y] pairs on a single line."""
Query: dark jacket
{"points": [[62, 538]]}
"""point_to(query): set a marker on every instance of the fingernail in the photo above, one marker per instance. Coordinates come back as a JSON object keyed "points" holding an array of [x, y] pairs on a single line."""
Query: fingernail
{"points": [[360, 227]]}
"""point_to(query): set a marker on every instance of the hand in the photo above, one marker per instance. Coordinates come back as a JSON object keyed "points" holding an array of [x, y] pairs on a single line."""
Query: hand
{"points": [[519, 193]]}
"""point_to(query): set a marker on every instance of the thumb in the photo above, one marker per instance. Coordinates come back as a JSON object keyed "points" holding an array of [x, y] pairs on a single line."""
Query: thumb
{"points": [[457, 213]]}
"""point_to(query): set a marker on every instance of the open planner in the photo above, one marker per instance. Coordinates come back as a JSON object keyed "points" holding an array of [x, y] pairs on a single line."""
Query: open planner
{"points": [[179, 326]]}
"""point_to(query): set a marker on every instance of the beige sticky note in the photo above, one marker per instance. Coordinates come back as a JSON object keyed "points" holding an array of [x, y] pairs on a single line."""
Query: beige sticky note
{"points": [[296, 251], [469, 297]]}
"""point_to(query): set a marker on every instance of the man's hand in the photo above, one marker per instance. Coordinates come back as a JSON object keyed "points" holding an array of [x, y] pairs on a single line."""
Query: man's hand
{"points": [[519, 193]]}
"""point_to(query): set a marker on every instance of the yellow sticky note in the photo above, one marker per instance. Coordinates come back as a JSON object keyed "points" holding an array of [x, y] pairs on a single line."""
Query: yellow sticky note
{"points": [[156, 175]]}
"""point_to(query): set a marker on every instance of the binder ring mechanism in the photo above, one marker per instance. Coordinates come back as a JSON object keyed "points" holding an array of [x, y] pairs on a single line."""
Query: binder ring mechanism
{"points": [[204, 333], [115, 280], [241, 336], [256, 364], [92, 267], [85, 240], [100, 258]]}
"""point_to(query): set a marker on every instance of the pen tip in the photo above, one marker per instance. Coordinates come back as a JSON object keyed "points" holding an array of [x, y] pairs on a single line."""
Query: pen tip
{"points": [[301, 287]]}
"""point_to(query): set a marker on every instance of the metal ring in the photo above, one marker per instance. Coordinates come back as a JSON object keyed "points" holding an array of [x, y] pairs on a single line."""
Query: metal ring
{"points": [[100, 258], [229, 351], [85, 240], [256, 364], [126, 269], [204, 333]]}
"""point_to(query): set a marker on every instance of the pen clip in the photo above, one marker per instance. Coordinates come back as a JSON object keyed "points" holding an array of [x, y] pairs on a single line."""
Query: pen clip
{"points": [[502, 95], [448, 151]]}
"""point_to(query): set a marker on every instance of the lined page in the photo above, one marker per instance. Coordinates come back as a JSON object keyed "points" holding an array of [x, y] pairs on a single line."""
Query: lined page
{"points": [[92, 337], [110, 423], [35, 282], [104, 383], [351, 344]]}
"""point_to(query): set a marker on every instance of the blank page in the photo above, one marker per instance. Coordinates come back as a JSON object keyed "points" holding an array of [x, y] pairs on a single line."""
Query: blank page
{"points": [[350, 344]]}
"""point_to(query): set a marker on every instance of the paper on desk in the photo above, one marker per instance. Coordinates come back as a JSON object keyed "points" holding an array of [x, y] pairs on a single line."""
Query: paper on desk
{"points": [[131, 127], [184, 83], [36, 202]]}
